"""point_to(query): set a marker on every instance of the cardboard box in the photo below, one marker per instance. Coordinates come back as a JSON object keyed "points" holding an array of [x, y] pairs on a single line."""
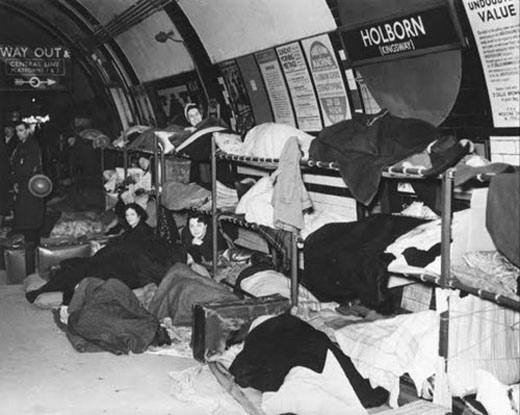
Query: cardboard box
{"points": [[217, 325]]}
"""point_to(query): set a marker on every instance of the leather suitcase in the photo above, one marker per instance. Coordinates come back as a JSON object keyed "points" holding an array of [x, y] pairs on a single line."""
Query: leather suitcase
{"points": [[19, 262], [215, 324], [50, 255]]}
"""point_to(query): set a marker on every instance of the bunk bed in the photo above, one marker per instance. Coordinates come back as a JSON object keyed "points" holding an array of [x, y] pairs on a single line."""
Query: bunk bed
{"points": [[446, 279], [140, 145]]}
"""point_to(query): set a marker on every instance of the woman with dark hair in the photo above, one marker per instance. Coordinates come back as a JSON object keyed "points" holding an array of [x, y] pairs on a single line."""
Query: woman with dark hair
{"points": [[197, 236], [136, 257]]}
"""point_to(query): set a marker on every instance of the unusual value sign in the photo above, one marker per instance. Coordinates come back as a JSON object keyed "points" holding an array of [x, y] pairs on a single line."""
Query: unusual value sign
{"points": [[35, 67]]}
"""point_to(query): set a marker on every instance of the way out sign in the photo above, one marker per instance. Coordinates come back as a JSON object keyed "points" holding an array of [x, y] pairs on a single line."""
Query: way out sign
{"points": [[35, 67]]}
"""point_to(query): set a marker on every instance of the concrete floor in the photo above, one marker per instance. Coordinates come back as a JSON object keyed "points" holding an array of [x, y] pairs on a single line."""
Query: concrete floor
{"points": [[40, 372]]}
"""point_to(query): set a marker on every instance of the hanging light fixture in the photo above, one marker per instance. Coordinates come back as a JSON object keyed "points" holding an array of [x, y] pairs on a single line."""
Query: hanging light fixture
{"points": [[162, 37]]}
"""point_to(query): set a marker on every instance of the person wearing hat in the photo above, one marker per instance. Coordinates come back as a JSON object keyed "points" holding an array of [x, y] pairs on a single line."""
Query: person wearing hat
{"points": [[26, 162], [193, 115]]}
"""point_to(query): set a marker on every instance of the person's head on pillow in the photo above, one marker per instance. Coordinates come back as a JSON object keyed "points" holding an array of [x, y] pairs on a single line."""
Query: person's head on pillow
{"points": [[193, 114]]}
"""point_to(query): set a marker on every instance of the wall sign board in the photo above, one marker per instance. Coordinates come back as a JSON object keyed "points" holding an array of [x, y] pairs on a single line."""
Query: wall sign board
{"points": [[496, 27], [300, 87], [255, 89], [276, 88], [413, 33], [238, 98], [327, 79], [32, 68]]}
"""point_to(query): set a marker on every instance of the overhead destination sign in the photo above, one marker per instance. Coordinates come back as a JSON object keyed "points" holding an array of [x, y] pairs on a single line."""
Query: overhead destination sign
{"points": [[35, 67], [415, 32]]}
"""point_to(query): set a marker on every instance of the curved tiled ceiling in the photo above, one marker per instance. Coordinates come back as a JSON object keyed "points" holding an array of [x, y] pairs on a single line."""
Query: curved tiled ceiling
{"points": [[233, 28], [227, 28]]}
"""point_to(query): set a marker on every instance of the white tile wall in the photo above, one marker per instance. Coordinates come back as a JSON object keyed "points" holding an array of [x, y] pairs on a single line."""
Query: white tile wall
{"points": [[505, 150]]}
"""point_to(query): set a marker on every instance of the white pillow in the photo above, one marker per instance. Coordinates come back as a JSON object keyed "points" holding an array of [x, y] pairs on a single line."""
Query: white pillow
{"points": [[268, 139], [229, 143], [256, 203], [33, 282], [49, 300]]}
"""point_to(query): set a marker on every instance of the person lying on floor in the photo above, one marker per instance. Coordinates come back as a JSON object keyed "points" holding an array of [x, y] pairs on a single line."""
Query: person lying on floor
{"points": [[136, 257]]}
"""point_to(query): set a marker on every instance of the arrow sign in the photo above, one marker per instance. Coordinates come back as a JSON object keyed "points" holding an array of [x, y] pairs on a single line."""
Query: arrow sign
{"points": [[34, 81]]}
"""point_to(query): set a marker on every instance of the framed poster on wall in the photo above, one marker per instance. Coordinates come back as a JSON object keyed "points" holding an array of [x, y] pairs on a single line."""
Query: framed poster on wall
{"points": [[276, 88], [300, 87], [496, 27], [327, 77]]}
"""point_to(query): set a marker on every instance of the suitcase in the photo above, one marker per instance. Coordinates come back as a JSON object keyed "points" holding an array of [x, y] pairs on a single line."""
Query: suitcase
{"points": [[6, 243], [216, 324], [19, 262], [50, 253]]}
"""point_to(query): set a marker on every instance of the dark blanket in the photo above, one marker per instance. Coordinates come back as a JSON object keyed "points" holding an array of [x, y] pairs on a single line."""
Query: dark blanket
{"points": [[366, 144], [277, 345], [106, 315], [503, 215], [181, 289], [197, 146], [345, 261], [137, 259]]}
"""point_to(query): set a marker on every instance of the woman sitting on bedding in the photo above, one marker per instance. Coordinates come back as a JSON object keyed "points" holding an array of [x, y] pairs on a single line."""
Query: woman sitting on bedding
{"points": [[196, 238], [136, 257]]}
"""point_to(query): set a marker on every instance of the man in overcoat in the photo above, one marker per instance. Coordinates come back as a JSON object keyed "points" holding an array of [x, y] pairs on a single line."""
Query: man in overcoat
{"points": [[26, 162]]}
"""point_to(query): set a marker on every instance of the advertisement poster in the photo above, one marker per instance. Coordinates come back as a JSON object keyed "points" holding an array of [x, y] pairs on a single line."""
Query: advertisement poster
{"points": [[300, 87], [327, 78], [35, 67], [238, 98], [275, 85], [496, 27]]}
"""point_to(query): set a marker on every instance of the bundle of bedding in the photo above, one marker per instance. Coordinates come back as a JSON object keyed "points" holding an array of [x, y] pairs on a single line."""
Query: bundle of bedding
{"points": [[300, 370], [346, 261], [178, 196], [482, 336], [79, 224], [266, 140]]}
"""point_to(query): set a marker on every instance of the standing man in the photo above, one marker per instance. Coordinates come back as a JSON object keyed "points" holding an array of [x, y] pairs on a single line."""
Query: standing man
{"points": [[26, 162], [4, 179]]}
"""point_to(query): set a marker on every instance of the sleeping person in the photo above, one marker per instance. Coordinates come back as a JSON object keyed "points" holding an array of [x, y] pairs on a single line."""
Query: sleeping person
{"points": [[136, 257]]}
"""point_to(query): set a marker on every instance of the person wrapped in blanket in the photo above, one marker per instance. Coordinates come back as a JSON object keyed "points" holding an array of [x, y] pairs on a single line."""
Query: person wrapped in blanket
{"points": [[136, 257]]}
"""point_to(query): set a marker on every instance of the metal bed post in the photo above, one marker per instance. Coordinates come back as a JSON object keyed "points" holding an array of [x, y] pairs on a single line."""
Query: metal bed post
{"points": [[125, 161], [214, 205], [156, 151], [294, 269], [102, 178], [446, 219]]}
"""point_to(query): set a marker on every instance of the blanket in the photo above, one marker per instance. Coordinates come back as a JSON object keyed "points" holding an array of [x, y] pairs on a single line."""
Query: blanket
{"points": [[180, 289], [109, 316], [366, 144]]}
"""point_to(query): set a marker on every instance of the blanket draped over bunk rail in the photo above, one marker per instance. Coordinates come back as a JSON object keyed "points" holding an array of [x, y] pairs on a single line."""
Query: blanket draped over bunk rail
{"points": [[366, 144]]}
